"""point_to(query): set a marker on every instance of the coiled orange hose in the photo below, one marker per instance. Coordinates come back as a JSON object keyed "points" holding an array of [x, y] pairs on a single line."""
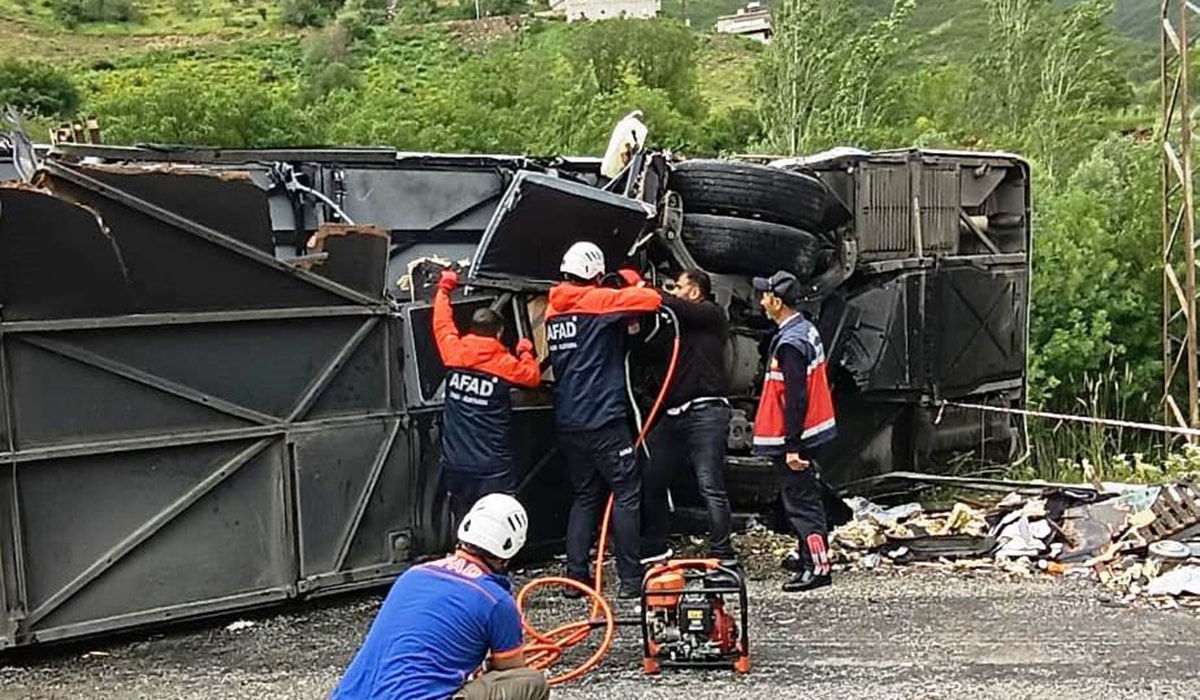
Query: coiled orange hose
{"points": [[547, 648]]}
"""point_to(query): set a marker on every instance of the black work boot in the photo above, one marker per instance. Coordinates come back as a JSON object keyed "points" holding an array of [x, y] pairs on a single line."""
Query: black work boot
{"points": [[629, 591], [572, 593], [806, 581]]}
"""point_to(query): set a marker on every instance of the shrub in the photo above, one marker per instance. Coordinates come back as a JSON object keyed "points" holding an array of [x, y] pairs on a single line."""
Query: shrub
{"points": [[37, 89]]}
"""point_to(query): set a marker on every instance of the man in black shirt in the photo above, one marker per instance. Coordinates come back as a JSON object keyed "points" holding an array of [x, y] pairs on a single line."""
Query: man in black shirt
{"points": [[695, 420]]}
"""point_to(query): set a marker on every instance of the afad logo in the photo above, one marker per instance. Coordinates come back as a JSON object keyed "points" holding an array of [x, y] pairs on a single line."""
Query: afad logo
{"points": [[459, 566]]}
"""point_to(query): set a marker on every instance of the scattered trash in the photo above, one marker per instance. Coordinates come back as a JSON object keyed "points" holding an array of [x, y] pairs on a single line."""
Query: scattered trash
{"points": [[1140, 542], [239, 625], [1185, 579], [1170, 550]]}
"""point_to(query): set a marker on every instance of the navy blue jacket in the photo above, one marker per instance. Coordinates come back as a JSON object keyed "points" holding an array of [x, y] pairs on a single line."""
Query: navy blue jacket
{"points": [[477, 415], [586, 336]]}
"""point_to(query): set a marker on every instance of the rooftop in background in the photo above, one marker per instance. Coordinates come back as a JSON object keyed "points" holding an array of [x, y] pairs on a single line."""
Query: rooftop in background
{"points": [[576, 10], [752, 21]]}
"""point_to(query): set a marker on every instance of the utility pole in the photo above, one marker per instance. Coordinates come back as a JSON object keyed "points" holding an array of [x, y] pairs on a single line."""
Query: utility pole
{"points": [[1181, 376], [477, 14]]}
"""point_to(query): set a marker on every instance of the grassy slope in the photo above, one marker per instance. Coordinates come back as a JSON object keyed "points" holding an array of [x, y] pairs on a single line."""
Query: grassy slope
{"points": [[217, 31]]}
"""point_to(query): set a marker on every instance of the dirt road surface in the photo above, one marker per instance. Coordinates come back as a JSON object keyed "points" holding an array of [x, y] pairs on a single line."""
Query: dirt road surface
{"points": [[921, 634]]}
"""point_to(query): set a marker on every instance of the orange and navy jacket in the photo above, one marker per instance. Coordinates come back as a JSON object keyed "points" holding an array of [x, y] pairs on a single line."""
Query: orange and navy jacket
{"points": [[586, 336], [795, 412], [478, 410]]}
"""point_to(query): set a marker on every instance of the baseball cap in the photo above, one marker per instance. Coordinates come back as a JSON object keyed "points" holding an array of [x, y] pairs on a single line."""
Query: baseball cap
{"points": [[782, 284]]}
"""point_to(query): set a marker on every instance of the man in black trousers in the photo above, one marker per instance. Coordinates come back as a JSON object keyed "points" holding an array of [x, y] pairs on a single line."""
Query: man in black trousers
{"points": [[795, 425], [694, 424]]}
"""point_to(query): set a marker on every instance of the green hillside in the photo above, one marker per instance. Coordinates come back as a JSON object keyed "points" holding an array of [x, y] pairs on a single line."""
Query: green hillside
{"points": [[1054, 82]]}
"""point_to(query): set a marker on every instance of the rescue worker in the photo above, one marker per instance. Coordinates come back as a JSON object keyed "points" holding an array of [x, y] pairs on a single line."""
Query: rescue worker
{"points": [[477, 416], [695, 423], [795, 424], [441, 619], [586, 332]]}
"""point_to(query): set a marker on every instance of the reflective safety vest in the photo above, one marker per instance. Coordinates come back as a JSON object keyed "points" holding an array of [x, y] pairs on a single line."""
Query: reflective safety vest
{"points": [[813, 397]]}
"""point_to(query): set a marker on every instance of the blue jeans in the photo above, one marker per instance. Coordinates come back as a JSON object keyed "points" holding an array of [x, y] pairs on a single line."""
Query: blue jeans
{"points": [[699, 436], [600, 460]]}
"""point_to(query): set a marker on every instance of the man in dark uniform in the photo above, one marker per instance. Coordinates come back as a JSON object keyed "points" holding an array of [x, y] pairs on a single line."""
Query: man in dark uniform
{"points": [[476, 419], [586, 329], [694, 425], [795, 424]]}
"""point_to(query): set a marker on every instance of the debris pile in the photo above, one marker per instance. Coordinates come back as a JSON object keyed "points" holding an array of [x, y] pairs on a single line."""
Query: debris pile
{"points": [[1140, 542]]}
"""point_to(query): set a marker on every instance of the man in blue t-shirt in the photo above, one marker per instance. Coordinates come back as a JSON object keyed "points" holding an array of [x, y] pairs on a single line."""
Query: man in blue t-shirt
{"points": [[442, 619]]}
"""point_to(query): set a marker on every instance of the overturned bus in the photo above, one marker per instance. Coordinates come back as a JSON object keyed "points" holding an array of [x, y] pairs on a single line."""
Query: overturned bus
{"points": [[219, 389]]}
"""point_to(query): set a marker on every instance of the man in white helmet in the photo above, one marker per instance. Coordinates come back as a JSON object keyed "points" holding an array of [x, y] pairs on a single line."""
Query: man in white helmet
{"points": [[585, 331], [441, 620]]}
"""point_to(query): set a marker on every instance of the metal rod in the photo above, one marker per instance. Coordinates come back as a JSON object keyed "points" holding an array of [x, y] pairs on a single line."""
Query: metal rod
{"points": [[364, 498], [91, 359], [186, 437], [331, 369], [1185, 124], [223, 604], [106, 561], [188, 317]]}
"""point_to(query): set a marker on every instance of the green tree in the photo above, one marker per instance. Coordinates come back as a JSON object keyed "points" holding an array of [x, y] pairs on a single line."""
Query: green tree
{"points": [[37, 89], [826, 75], [1097, 288]]}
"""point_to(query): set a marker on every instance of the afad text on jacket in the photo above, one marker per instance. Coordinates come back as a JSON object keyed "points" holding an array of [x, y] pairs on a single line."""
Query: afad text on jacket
{"points": [[477, 416], [585, 331]]}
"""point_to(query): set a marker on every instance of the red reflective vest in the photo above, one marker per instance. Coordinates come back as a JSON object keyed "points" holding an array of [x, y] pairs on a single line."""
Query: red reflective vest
{"points": [[770, 424]]}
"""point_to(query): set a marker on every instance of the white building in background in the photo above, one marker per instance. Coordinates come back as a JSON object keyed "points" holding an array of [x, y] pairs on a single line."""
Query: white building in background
{"points": [[752, 21], [576, 10]]}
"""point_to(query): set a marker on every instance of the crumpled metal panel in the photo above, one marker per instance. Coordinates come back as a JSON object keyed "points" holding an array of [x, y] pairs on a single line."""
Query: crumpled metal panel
{"points": [[228, 201], [169, 268], [357, 256], [58, 259], [872, 334]]}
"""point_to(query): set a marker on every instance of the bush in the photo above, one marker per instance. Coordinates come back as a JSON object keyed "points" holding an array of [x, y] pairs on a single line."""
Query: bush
{"points": [[37, 89], [76, 12], [308, 13]]}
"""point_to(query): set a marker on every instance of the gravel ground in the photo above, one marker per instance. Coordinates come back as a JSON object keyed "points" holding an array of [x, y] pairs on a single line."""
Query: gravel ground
{"points": [[915, 634]]}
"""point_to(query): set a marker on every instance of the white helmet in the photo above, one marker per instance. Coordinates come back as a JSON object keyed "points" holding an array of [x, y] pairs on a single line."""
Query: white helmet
{"points": [[584, 260], [497, 524]]}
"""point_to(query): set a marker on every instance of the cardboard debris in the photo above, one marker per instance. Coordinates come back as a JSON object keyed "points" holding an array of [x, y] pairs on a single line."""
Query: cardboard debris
{"points": [[1115, 538]]}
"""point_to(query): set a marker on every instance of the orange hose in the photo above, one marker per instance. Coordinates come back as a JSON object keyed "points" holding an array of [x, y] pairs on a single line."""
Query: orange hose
{"points": [[547, 648]]}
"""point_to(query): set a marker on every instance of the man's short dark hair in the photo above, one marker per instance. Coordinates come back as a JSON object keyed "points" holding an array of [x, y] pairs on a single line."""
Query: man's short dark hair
{"points": [[486, 322], [702, 281]]}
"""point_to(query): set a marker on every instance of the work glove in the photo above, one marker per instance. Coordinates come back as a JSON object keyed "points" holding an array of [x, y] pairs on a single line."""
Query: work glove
{"points": [[632, 277], [524, 345], [448, 281]]}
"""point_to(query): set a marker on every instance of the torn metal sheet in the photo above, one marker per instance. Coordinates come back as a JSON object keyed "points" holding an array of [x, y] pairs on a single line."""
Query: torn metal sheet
{"points": [[59, 259], [225, 200], [357, 256]]}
